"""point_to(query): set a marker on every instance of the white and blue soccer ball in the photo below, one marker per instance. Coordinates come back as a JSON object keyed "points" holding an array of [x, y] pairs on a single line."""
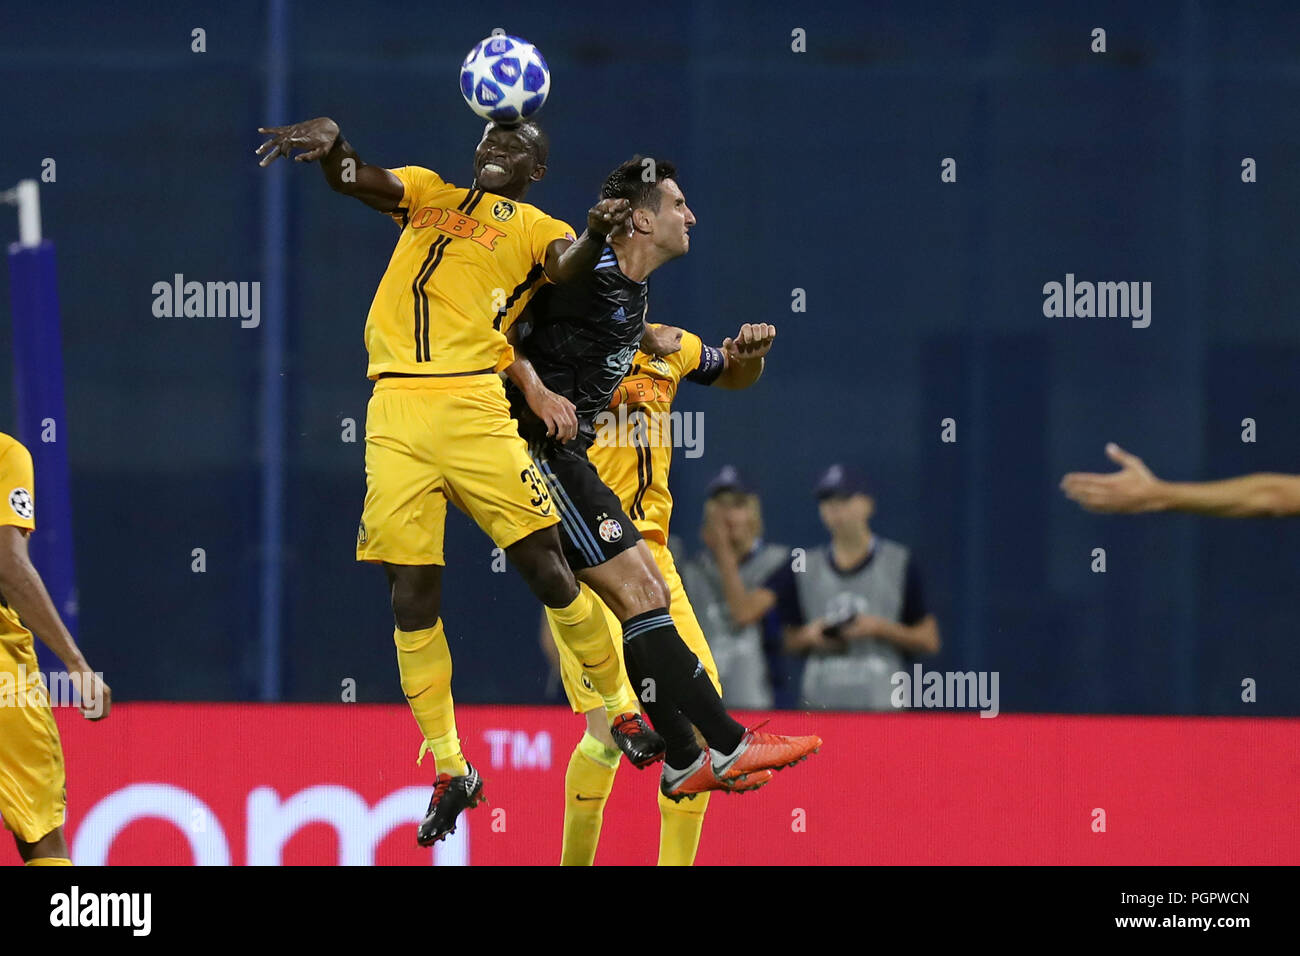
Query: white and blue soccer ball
{"points": [[505, 79]]}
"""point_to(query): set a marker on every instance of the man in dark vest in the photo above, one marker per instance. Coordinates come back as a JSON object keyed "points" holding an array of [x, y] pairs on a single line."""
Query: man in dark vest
{"points": [[855, 609]]}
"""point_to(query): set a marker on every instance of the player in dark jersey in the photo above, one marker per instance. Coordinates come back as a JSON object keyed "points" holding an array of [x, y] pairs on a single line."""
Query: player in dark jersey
{"points": [[581, 338]]}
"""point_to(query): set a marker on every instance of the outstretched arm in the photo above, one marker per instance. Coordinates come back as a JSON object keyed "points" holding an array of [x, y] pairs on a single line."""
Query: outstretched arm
{"points": [[24, 591], [1134, 489], [320, 139]]}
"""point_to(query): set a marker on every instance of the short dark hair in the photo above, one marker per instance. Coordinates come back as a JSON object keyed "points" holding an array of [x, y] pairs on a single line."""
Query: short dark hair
{"points": [[541, 142], [629, 181]]}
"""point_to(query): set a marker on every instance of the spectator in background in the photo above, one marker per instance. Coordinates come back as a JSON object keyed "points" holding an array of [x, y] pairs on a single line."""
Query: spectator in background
{"points": [[721, 583], [855, 610]]}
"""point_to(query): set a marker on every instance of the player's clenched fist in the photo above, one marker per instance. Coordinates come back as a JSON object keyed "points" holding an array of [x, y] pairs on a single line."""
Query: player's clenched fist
{"points": [[661, 340], [751, 342], [96, 698], [609, 216], [313, 137]]}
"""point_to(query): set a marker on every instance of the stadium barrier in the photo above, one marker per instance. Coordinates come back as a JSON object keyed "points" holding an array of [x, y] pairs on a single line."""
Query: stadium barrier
{"points": [[337, 784]]}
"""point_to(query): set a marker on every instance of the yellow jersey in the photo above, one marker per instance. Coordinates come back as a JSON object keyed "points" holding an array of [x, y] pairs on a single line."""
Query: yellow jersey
{"points": [[634, 461], [17, 509], [465, 266]]}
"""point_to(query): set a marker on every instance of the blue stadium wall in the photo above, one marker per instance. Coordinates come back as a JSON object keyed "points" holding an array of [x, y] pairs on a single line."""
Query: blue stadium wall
{"points": [[817, 171]]}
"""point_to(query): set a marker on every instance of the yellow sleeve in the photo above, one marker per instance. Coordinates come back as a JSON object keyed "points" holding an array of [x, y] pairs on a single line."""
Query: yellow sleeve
{"points": [[686, 359], [17, 486], [417, 182], [544, 232]]}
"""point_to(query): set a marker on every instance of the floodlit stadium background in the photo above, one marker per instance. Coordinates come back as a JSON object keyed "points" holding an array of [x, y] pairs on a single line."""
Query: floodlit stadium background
{"points": [[817, 171]]}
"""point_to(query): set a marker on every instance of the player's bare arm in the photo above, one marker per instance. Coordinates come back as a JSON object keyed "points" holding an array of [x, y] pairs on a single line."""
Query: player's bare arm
{"points": [[320, 139], [566, 260], [1134, 488], [556, 411], [25, 592], [743, 360], [744, 355]]}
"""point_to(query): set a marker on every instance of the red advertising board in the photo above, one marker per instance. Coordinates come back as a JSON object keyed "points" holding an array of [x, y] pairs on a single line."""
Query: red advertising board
{"points": [[337, 784]]}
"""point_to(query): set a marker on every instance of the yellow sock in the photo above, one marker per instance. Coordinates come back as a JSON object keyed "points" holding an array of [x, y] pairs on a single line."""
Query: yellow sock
{"points": [[49, 861], [582, 628], [679, 829], [587, 784], [424, 663]]}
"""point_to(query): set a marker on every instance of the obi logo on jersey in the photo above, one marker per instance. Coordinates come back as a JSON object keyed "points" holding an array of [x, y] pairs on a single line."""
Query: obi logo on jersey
{"points": [[642, 390], [458, 225]]}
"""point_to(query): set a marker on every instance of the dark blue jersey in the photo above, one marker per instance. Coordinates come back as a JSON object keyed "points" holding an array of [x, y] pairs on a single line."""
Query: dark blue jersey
{"points": [[583, 336]]}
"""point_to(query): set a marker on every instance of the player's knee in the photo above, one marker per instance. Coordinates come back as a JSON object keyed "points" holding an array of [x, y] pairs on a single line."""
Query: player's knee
{"points": [[52, 845], [653, 586], [542, 566], [642, 596], [415, 613], [655, 598], [653, 589], [417, 597], [553, 584]]}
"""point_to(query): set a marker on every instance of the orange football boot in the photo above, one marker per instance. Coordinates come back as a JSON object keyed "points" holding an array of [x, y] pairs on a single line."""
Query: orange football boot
{"points": [[763, 751], [699, 777]]}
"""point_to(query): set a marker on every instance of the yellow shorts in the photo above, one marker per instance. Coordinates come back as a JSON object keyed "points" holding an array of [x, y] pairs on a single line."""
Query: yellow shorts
{"points": [[577, 686], [32, 794], [434, 440]]}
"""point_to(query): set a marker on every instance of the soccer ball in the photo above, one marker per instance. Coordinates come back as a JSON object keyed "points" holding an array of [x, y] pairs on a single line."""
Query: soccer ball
{"points": [[504, 79]]}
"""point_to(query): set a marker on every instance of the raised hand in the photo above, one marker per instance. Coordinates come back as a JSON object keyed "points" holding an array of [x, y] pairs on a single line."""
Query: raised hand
{"points": [[713, 534], [751, 342], [609, 216], [313, 138], [556, 411]]}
